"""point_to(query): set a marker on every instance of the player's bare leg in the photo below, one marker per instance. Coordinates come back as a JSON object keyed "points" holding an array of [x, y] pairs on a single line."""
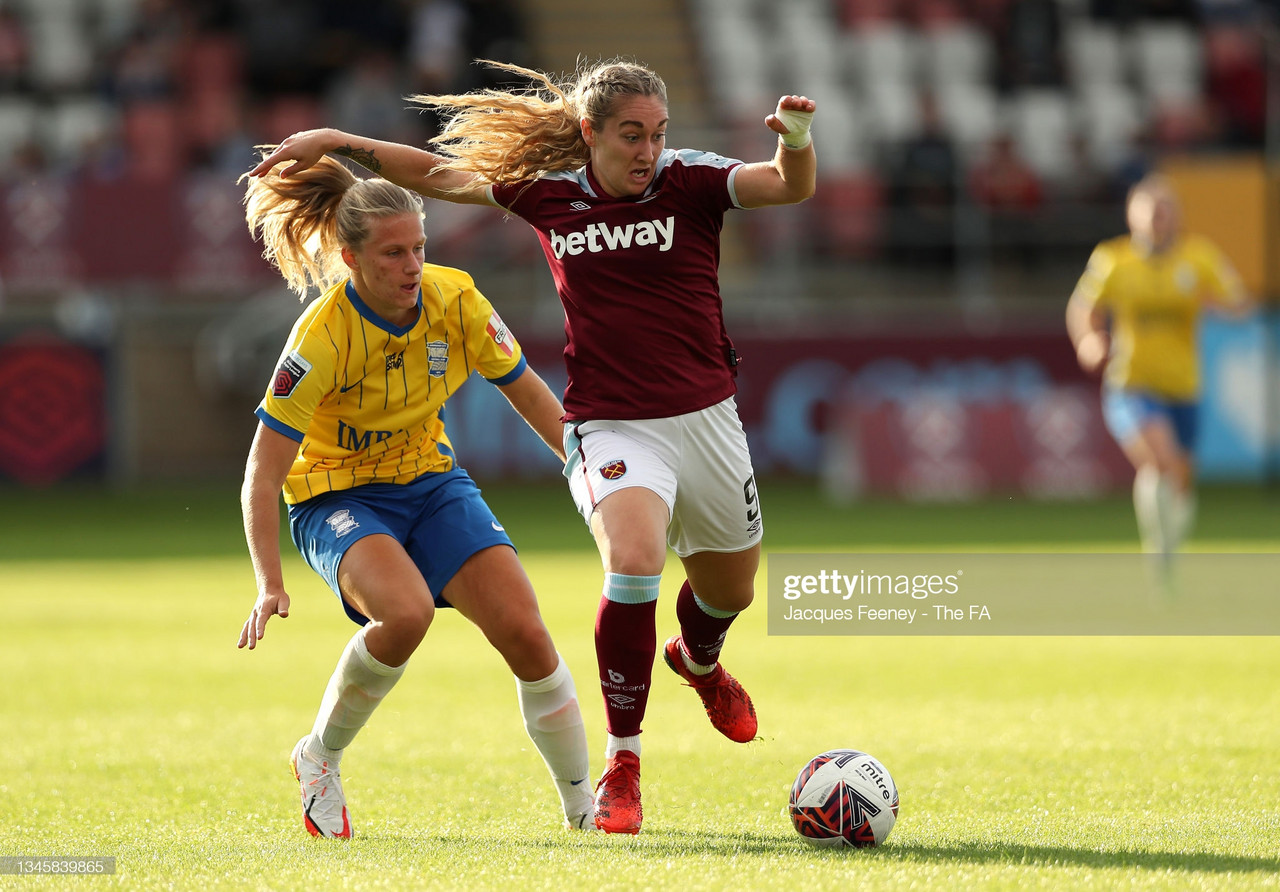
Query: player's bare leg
{"points": [[378, 578]]}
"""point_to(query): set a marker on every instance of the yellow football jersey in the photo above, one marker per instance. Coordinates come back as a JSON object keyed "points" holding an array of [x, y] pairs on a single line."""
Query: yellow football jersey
{"points": [[1154, 303], [362, 397]]}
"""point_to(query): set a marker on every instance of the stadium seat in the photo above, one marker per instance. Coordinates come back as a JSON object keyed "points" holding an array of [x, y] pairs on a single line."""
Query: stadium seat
{"points": [[970, 113], [931, 14], [884, 53], [1110, 116], [843, 136], [213, 62], [154, 139], [115, 18], [77, 122], [893, 111], [61, 52], [735, 49], [289, 114], [855, 15], [805, 47], [957, 54], [849, 214], [1094, 53], [1042, 126], [18, 118], [1169, 61]]}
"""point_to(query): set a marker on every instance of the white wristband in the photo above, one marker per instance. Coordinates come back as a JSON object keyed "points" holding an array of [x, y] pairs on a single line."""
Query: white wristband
{"points": [[797, 124]]}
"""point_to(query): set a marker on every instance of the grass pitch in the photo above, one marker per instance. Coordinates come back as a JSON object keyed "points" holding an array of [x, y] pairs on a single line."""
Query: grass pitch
{"points": [[134, 728]]}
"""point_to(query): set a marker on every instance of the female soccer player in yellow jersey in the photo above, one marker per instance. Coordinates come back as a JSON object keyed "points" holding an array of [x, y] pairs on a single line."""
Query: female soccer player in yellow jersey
{"points": [[1135, 312], [350, 430], [657, 456]]}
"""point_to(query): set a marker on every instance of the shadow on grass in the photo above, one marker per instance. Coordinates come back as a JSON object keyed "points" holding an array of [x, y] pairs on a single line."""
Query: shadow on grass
{"points": [[667, 843], [1064, 856]]}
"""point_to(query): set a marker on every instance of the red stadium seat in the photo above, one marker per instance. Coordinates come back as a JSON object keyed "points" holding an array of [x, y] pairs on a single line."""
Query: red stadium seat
{"points": [[848, 215]]}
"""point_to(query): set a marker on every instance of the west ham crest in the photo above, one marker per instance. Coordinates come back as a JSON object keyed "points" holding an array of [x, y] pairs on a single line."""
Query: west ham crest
{"points": [[613, 470]]}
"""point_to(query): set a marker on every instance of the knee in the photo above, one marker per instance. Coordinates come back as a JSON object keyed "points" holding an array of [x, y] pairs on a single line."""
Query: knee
{"points": [[743, 599], [636, 558], [527, 650], [407, 621], [736, 598]]}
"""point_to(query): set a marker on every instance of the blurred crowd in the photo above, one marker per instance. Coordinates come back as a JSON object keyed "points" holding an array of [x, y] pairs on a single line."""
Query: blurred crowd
{"points": [[1026, 112], [152, 89], [1014, 108]]}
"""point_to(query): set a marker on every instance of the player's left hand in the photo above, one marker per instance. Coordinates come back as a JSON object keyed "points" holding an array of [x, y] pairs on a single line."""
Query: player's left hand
{"points": [[802, 104]]}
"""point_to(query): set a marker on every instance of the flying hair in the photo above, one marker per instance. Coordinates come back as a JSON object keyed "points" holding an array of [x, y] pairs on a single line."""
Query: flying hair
{"points": [[305, 221], [509, 136]]}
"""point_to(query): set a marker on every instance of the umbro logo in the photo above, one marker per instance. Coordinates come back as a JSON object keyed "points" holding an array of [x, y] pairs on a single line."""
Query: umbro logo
{"points": [[579, 205]]}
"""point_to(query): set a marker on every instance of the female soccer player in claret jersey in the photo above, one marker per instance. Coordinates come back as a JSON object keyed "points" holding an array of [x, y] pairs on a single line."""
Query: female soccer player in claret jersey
{"points": [[1135, 313], [350, 430], [656, 452]]}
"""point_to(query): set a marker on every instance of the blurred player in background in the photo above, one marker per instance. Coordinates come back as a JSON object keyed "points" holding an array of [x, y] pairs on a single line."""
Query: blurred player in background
{"points": [[1135, 312], [657, 454], [350, 430]]}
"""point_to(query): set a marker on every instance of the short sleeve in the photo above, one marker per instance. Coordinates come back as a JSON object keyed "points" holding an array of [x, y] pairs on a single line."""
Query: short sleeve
{"points": [[1219, 274], [302, 379], [493, 350], [1094, 285]]}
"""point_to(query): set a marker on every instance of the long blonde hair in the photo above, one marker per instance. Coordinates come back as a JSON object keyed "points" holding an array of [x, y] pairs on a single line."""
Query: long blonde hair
{"points": [[509, 136], [305, 221]]}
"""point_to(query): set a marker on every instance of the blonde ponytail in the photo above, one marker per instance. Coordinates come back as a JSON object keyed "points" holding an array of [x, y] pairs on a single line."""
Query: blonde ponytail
{"points": [[509, 136], [305, 221]]}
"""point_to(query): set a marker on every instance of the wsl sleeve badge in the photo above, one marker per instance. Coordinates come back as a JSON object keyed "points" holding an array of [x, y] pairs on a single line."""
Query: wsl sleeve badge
{"points": [[293, 368], [501, 336]]}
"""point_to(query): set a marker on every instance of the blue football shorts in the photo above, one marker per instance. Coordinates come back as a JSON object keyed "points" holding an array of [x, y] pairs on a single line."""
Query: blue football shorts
{"points": [[1128, 411], [440, 519]]}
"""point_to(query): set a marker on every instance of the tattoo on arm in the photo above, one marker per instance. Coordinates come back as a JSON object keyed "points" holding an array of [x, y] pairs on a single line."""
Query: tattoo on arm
{"points": [[364, 157]]}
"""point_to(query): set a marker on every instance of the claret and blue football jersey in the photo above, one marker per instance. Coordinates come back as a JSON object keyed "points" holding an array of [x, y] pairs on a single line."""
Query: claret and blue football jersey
{"points": [[639, 277]]}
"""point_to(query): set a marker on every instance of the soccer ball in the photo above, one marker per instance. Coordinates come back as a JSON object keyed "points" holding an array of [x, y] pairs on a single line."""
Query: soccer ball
{"points": [[844, 798]]}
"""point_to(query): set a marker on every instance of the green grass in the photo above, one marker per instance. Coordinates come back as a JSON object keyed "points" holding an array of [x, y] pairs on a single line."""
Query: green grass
{"points": [[134, 728]]}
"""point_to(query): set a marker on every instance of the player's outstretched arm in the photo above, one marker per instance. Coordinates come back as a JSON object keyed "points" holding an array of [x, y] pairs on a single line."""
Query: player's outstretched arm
{"points": [[269, 459], [414, 169], [532, 398], [791, 175]]}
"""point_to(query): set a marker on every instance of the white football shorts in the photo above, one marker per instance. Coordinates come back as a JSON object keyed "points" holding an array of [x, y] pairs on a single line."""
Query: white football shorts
{"points": [[698, 463]]}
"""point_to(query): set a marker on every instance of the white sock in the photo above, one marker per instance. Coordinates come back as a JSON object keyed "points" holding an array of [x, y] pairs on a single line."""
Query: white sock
{"points": [[1183, 510], [356, 688], [1149, 491], [614, 745], [554, 722], [698, 668]]}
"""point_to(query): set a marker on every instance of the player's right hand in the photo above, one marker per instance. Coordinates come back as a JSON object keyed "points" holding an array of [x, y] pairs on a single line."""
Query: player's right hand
{"points": [[1092, 351], [304, 149], [269, 604]]}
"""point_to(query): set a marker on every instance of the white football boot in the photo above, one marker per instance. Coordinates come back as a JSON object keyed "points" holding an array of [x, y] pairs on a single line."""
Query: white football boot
{"points": [[324, 807]]}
